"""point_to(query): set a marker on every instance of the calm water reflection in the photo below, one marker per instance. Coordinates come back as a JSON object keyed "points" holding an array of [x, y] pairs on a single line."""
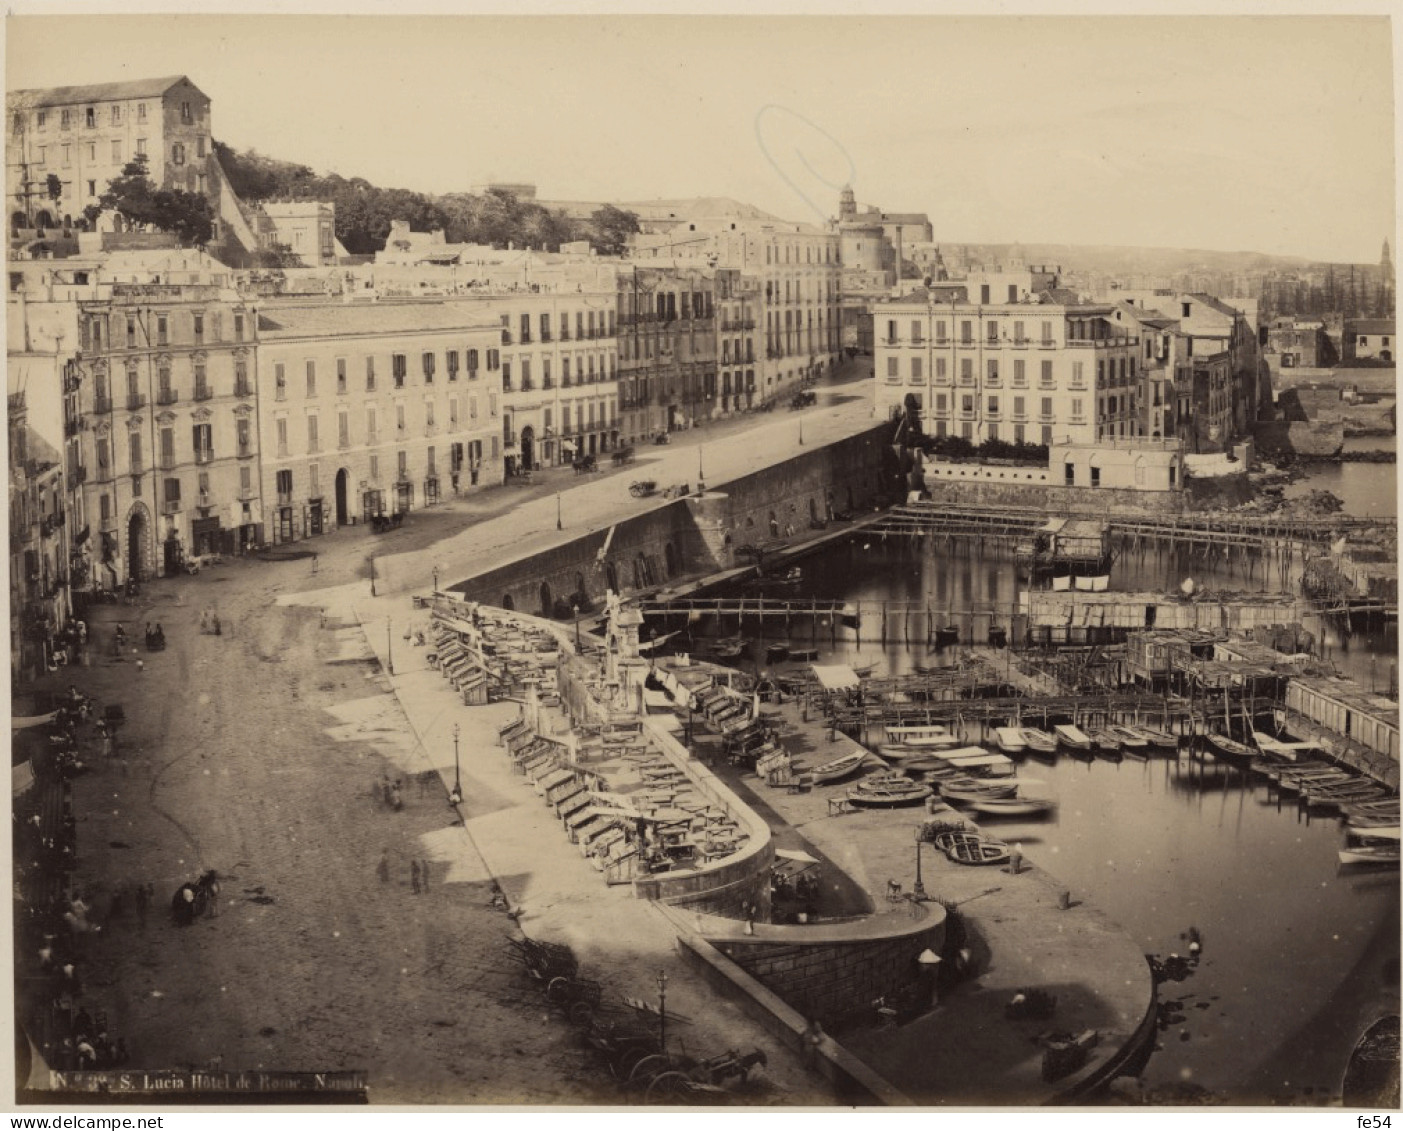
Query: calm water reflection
{"points": [[1165, 844]]}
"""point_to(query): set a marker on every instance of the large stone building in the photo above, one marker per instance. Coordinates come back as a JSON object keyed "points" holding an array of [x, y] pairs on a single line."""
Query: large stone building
{"points": [[83, 136], [370, 409], [1039, 372], [798, 273], [667, 347]]}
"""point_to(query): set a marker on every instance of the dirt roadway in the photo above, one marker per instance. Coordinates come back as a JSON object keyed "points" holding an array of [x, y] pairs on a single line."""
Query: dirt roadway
{"points": [[313, 961]]}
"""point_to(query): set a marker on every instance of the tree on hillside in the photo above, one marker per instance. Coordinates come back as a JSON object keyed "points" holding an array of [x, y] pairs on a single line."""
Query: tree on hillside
{"points": [[133, 197], [612, 227]]}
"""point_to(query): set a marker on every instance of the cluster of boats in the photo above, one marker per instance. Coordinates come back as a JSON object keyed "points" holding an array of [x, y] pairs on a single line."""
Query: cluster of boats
{"points": [[1370, 811], [1110, 739]]}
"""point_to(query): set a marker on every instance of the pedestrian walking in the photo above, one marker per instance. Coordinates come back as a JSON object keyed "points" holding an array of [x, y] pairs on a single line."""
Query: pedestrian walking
{"points": [[314, 563], [414, 876], [383, 868]]}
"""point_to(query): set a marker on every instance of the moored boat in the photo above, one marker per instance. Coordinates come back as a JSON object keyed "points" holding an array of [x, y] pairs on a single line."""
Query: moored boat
{"points": [[1370, 851], [839, 768], [1290, 751], [929, 735], [971, 848], [1384, 830], [978, 762], [1104, 742], [887, 791], [1039, 741], [1159, 739], [1012, 806], [975, 789], [1010, 740], [1130, 737], [1072, 736], [1229, 747]]}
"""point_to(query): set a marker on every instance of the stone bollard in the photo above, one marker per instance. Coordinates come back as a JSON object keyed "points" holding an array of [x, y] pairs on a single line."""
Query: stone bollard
{"points": [[1064, 901], [1015, 860]]}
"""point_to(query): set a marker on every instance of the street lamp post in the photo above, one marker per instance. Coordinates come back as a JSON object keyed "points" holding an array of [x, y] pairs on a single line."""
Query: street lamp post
{"points": [[701, 475], [435, 579], [576, 610], [801, 431], [389, 646], [457, 773], [558, 524], [662, 1011], [919, 888]]}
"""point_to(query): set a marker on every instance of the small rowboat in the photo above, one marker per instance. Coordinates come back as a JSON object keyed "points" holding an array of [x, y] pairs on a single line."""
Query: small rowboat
{"points": [[974, 789], [1039, 741], [1104, 742], [1160, 740], [978, 762], [1291, 751], [1386, 808], [1384, 830], [1072, 736], [1012, 806], [886, 792], [1370, 854], [1130, 737], [1229, 747], [970, 848], [936, 736], [730, 649], [839, 768], [1010, 740]]}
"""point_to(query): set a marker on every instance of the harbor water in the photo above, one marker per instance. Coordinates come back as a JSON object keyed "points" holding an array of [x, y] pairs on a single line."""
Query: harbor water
{"points": [[1298, 954]]}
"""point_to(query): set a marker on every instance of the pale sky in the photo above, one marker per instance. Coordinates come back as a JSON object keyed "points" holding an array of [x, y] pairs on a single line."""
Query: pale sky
{"points": [[1257, 133]]}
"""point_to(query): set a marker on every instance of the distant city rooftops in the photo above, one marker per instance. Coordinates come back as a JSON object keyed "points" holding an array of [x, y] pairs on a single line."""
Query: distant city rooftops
{"points": [[301, 319], [98, 92]]}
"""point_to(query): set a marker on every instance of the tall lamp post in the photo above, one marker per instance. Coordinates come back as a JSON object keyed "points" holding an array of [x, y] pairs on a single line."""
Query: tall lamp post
{"points": [[389, 646], [457, 773], [701, 475], [919, 888], [558, 524], [662, 1011], [576, 610], [435, 579]]}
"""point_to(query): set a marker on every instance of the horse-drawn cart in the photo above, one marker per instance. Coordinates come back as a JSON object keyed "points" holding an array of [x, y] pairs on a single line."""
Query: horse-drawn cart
{"points": [[642, 488], [586, 464], [623, 456]]}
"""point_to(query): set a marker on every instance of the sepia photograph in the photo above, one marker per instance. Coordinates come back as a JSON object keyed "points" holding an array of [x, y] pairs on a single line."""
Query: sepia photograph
{"points": [[652, 561]]}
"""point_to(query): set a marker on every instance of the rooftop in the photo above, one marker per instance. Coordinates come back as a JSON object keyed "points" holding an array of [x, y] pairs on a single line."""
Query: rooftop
{"points": [[307, 320], [1372, 325], [1353, 695], [99, 92]]}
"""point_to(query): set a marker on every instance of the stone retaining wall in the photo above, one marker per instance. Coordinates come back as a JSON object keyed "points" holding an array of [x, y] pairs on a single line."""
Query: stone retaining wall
{"points": [[833, 978], [1098, 501]]}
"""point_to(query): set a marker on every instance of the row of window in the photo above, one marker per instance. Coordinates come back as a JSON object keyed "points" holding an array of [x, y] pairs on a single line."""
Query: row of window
{"points": [[179, 154], [828, 291], [201, 448], [584, 373], [459, 455], [584, 418], [399, 370], [1105, 371], [662, 306], [993, 332], [585, 326], [67, 116], [830, 253], [371, 434]]}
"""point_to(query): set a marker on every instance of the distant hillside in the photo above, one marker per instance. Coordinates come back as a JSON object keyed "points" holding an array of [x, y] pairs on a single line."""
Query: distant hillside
{"points": [[364, 211]]}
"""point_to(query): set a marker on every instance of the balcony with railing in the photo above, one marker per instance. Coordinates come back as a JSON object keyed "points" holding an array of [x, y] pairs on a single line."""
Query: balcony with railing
{"points": [[170, 506], [247, 494], [243, 389], [166, 461], [102, 405], [204, 455], [284, 498], [204, 392], [1117, 342], [136, 401], [167, 396], [72, 426], [245, 450]]}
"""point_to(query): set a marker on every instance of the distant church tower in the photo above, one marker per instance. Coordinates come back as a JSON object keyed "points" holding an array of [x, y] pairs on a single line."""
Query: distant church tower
{"points": [[847, 204], [1386, 263]]}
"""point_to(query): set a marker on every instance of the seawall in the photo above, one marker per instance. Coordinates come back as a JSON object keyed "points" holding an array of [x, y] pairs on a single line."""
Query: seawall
{"points": [[698, 534]]}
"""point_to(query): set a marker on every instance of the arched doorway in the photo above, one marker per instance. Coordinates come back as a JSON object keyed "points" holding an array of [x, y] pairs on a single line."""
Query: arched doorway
{"points": [[547, 605], [813, 511], [528, 448], [1385, 355], [670, 559], [138, 554], [507, 602], [343, 515], [611, 577]]}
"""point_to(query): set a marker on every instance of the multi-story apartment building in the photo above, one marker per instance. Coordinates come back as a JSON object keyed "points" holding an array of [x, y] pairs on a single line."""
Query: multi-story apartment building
{"points": [[559, 376], [40, 598], [738, 326], [1040, 373], [168, 397], [667, 349], [84, 135], [371, 409], [798, 271]]}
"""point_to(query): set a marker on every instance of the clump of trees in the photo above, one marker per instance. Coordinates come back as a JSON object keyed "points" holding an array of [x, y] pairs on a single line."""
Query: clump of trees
{"points": [[134, 197], [364, 211]]}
